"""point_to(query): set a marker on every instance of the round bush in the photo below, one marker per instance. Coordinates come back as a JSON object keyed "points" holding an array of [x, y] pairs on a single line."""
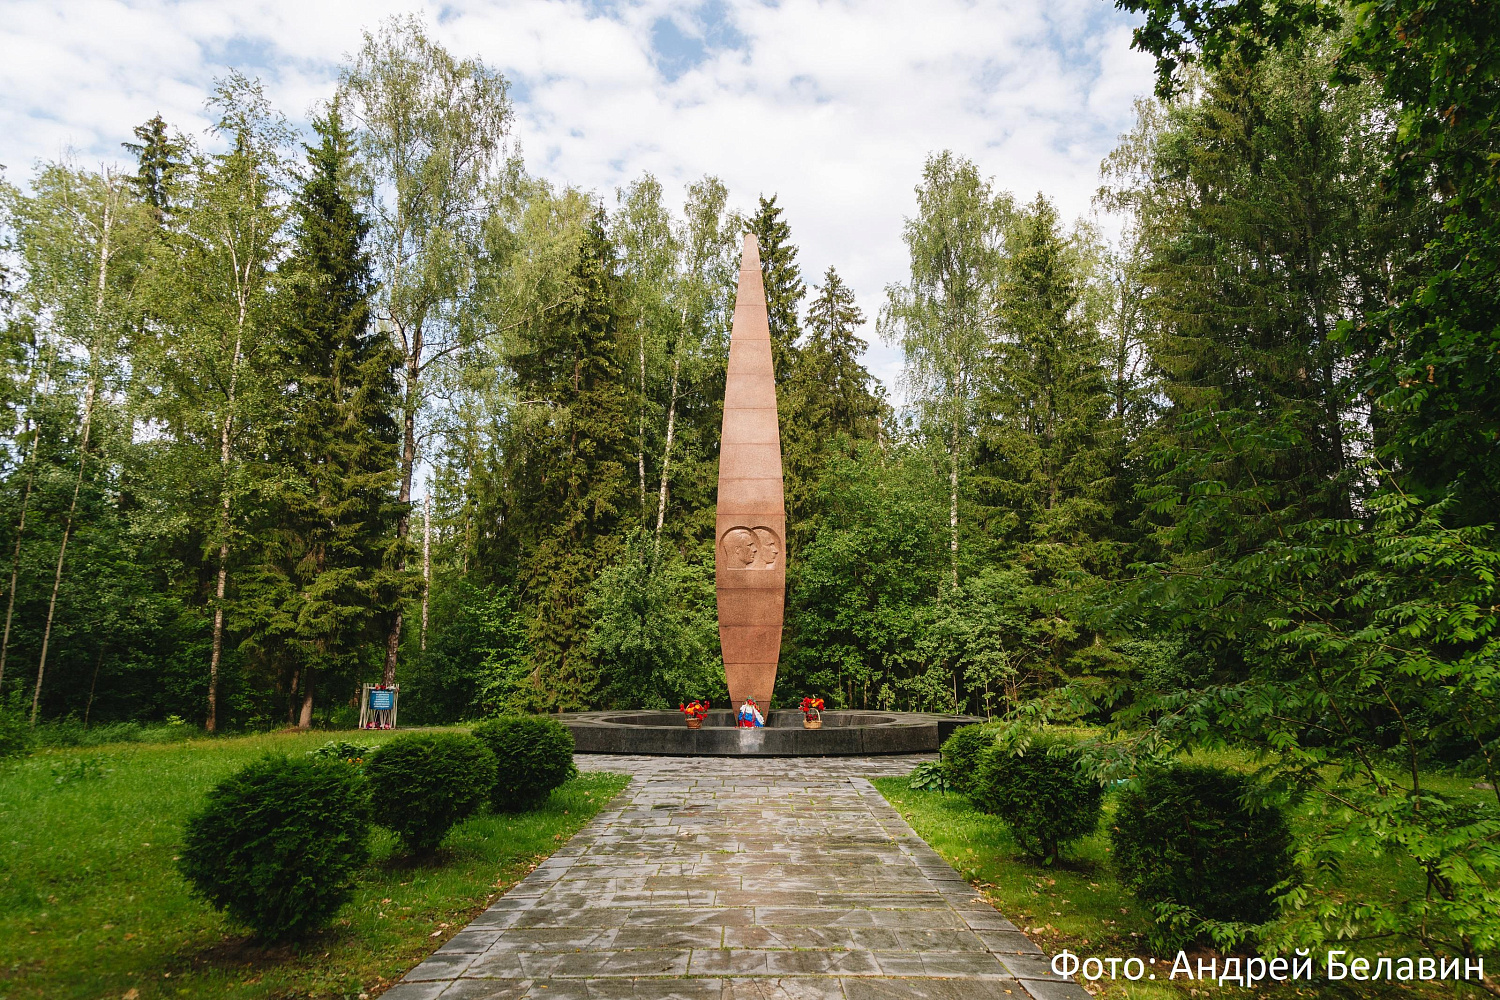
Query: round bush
{"points": [[533, 754], [1183, 836], [1042, 794], [428, 782], [961, 753], [278, 844]]}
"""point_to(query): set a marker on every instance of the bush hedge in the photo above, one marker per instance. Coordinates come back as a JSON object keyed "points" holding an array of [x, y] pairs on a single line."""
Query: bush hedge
{"points": [[1183, 836], [429, 782], [278, 844], [961, 752], [533, 755], [1041, 792]]}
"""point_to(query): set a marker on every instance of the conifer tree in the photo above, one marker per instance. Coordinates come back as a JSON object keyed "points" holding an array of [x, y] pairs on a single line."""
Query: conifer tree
{"points": [[1046, 399], [829, 399], [570, 460], [850, 399], [783, 279], [323, 575], [159, 159]]}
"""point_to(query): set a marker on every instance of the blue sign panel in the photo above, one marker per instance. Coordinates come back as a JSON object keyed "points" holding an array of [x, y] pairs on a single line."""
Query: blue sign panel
{"points": [[382, 701]]}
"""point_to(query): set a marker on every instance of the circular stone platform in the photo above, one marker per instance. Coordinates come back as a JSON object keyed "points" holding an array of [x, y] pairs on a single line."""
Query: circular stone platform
{"points": [[842, 734]]}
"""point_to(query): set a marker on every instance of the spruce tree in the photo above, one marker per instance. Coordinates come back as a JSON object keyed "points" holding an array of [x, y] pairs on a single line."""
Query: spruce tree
{"points": [[569, 463], [159, 160], [828, 400], [1045, 437], [324, 579], [783, 278], [850, 400]]}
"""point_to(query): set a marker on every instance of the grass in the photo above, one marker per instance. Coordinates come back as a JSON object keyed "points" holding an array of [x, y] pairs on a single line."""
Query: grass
{"points": [[91, 905], [1078, 904]]}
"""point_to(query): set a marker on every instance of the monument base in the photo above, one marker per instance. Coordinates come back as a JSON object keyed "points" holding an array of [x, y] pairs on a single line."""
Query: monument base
{"points": [[843, 734]]}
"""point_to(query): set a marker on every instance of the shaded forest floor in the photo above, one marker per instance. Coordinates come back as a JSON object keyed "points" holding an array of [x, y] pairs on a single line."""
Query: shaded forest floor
{"points": [[91, 905], [1078, 904]]}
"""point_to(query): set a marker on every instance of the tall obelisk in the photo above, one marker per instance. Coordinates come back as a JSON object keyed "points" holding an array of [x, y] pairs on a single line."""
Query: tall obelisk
{"points": [[750, 558]]}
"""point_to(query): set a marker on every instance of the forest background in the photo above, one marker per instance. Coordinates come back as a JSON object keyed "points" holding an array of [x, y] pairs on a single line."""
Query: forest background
{"points": [[375, 404]]}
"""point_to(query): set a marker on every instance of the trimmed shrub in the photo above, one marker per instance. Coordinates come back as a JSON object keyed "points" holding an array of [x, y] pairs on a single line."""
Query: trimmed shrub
{"points": [[344, 750], [961, 752], [278, 844], [533, 755], [1183, 837], [1042, 794], [429, 782]]}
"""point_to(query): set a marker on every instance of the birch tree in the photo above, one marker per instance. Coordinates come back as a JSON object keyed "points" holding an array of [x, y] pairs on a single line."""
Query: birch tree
{"points": [[644, 232], [943, 317], [75, 234], [431, 132], [704, 304], [211, 298], [25, 438]]}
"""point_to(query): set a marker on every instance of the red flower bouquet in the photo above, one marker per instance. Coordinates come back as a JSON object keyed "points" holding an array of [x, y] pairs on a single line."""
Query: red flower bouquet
{"points": [[694, 711], [812, 713]]}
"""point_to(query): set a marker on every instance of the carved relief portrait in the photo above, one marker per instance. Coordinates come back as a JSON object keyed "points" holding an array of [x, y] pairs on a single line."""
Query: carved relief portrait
{"points": [[770, 546], [745, 547], [742, 548]]}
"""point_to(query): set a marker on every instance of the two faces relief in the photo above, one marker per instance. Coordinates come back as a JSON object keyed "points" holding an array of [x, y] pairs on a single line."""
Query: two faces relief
{"points": [[750, 548]]}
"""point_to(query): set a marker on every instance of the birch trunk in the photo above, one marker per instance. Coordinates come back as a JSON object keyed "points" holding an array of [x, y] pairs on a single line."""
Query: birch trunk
{"points": [[666, 454], [426, 561], [93, 686], [640, 431], [62, 550], [216, 656], [15, 562], [953, 506], [83, 438]]}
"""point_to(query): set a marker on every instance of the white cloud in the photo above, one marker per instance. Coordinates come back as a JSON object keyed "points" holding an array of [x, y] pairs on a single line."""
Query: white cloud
{"points": [[833, 106]]}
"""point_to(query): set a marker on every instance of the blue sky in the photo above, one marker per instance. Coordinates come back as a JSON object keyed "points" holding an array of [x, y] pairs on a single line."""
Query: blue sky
{"points": [[832, 106]]}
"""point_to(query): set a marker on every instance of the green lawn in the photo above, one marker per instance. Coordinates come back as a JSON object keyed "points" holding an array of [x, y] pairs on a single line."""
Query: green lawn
{"points": [[1077, 904], [91, 905]]}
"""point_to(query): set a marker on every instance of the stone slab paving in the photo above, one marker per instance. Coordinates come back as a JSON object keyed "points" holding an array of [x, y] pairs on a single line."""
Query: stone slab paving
{"points": [[735, 879]]}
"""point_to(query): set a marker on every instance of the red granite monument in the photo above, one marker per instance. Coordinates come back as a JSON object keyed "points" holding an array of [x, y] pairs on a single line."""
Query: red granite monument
{"points": [[750, 559]]}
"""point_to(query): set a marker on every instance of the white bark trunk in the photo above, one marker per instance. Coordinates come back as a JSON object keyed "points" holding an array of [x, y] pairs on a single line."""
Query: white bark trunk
{"points": [[106, 223], [15, 563], [640, 453], [666, 454], [216, 655], [953, 506], [426, 561], [62, 550]]}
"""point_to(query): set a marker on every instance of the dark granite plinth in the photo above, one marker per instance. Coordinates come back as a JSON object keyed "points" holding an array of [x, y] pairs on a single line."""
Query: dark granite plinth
{"points": [[842, 734]]}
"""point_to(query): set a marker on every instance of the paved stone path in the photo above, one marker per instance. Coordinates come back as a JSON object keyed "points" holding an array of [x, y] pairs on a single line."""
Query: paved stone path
{"points": [[713, 879]]}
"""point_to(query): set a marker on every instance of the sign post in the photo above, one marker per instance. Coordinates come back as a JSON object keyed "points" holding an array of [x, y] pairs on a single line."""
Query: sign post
{"points": [[377, 706]]}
